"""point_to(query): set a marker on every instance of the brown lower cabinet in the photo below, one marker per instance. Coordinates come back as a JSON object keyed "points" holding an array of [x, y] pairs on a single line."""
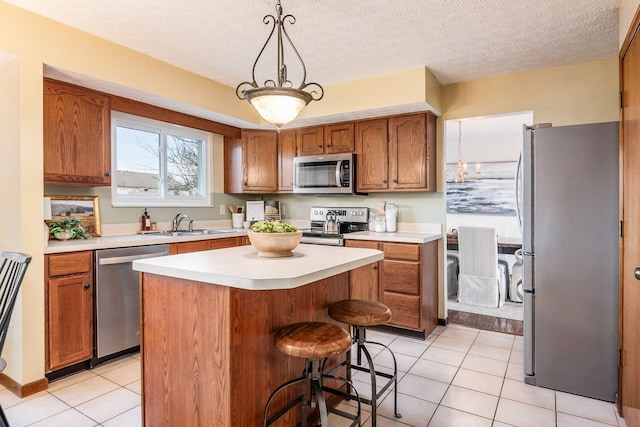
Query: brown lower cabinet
{"points": [[207, 245], [406, 280], [68, 309]]}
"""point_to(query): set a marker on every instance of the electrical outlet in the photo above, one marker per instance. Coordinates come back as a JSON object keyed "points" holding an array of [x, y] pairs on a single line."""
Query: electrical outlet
{"points": [[223, 209], [283, 210]]}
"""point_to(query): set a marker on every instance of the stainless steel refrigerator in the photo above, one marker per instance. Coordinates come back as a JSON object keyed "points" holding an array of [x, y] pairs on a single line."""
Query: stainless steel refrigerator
{"points": [[570, 246]]}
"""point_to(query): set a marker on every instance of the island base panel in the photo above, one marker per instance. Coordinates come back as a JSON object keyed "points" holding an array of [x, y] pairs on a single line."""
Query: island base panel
{"points": [[225, 370]]}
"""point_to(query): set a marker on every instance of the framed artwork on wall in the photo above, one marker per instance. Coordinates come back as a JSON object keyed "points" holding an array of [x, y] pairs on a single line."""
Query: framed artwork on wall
{"points": [[488, 188], [84, 208]]}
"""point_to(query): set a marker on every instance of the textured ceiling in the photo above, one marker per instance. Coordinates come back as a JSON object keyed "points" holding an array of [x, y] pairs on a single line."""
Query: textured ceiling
{"points": [[341, 41]]}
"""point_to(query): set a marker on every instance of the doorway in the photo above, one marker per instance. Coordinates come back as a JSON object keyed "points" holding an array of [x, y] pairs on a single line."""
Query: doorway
{"points": [[481, 167]]}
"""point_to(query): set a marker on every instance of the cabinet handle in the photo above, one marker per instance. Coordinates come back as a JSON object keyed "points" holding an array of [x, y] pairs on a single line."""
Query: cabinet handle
{"points": [[395, 181], [87, 285], [375, 267], [107, 173], [319, 145], [328, 145], [384, 181]]}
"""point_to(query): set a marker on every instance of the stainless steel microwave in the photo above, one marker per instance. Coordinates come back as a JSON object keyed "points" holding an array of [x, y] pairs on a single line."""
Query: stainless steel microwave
{"points": [[324, 174]]}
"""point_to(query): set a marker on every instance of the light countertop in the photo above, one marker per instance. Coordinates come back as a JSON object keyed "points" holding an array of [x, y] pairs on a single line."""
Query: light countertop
{"points": [[240, 267], [128, 240], [401, 236]]}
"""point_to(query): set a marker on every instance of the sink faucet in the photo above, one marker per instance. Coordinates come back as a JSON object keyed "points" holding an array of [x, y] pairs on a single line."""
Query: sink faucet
{"points": [[178, 219]]}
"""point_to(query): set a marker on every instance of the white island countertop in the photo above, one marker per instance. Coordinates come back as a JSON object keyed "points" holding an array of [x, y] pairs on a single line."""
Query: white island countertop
{"points": [[241, 267]]}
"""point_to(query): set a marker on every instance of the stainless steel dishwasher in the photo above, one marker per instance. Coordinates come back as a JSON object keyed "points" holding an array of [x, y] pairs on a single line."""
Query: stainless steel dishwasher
{"points": [[118, 298]]}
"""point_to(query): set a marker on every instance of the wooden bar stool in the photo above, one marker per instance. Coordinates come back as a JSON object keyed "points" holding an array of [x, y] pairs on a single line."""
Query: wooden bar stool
{"points": [[361, 314], [314, 341]]}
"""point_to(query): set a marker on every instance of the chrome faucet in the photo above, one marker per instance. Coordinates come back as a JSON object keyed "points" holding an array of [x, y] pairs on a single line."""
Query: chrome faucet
{"points": [[178, 219]]}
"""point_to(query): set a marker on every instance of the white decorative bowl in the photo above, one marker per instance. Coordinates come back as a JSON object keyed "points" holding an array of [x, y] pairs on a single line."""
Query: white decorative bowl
{"points": [[275, 245], [62, 235]]}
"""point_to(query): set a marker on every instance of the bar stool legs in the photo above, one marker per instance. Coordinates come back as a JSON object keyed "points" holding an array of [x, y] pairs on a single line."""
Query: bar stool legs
{"points": [[361, 314], [359, 337], [314, 341]]}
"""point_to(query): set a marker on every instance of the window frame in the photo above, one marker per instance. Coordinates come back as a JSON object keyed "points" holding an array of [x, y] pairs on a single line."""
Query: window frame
{"points": [[163, 199]]}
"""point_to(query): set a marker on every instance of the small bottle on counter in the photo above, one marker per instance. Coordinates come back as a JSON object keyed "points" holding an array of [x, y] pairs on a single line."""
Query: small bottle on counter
{"points": [[146, 221]]}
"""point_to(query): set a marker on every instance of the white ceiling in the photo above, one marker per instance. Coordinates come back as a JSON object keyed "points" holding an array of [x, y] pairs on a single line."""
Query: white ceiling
{"points": [[341, 41]]}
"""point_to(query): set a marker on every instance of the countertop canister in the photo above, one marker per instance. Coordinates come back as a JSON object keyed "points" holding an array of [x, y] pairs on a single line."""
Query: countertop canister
{"points": [[391, 215]]}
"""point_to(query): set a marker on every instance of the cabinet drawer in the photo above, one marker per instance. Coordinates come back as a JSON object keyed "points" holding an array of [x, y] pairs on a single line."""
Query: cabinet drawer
{"points": [[69, 263], [366, 244], [402, 251], [401, 276], [405, 310], [187, 247], [227, 242]]}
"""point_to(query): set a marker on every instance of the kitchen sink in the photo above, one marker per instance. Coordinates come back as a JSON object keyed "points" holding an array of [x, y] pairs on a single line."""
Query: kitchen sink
{"points": [[199, 232]]}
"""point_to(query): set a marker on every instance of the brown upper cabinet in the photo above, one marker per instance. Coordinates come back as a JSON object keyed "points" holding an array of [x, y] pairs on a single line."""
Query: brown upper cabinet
{"points": [[286, 152], [77, 135], [397, 153], [251, 162], [328, 139]]}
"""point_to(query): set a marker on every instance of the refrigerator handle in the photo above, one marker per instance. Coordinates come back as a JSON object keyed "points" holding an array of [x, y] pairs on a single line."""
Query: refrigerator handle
{"points": [[528, 283], [518, 201]]}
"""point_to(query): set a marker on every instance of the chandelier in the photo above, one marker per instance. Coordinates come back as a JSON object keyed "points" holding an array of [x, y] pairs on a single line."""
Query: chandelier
{"points": [[278, 101], [461, 170]]}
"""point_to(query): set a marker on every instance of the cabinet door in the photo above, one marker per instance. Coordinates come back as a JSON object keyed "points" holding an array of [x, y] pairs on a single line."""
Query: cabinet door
{"points": [[372, 161], [69, 320], [76, 135], [260, 161], [286, 152], [339, 138], [364, 282], [311, 141], [410, 153]]}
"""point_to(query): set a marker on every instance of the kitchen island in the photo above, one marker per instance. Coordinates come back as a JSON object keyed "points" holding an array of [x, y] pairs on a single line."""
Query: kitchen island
{"points": [[208, 320]]}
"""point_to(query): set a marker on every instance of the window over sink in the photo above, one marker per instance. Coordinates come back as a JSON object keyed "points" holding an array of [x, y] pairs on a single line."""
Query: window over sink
{"points": [[158, 163]]}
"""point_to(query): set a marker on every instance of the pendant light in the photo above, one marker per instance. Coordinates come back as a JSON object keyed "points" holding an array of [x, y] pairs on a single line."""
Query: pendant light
{"points": [[461, 171], [278, 101]]}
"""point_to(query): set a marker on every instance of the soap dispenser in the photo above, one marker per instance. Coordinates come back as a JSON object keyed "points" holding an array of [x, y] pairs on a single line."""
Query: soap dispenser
{"points": [[145, 221]]}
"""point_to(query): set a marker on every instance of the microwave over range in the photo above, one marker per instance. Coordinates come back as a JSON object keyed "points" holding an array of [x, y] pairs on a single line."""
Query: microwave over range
{"points": [[324, 174]]}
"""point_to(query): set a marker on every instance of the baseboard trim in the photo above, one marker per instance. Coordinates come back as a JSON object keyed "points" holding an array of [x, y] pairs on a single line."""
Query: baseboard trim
{"points": [[23, 390]]}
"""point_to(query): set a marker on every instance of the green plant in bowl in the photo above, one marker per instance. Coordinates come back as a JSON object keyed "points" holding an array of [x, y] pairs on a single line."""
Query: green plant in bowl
{"points": [[67, 229], [265, 226]]}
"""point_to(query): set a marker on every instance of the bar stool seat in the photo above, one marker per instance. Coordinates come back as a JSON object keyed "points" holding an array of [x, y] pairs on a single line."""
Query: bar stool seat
{"points": [[361, 314], [314, 341]]}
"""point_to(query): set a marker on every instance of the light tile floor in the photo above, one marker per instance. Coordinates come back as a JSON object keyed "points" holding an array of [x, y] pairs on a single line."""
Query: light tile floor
{"points": [[458, 377]]}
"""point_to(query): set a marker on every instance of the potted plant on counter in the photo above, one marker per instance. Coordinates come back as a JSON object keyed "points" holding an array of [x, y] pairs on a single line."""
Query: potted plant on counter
{"points": [[67, 229]]}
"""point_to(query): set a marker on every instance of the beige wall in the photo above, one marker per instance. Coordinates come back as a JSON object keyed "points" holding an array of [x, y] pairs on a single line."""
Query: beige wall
{"points": [[574, 94], [627, 12]]}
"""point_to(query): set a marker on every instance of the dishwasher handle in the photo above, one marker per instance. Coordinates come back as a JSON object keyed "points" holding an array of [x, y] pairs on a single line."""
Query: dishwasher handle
{"points": [[130, 258]]}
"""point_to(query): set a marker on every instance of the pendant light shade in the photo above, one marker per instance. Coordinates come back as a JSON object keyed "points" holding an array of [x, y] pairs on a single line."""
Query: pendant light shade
{"points": [[278, 101], [278, 105]]}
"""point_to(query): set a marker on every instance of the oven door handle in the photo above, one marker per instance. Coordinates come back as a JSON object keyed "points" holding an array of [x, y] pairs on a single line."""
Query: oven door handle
{"points": [[338, 173], [127, 259]]}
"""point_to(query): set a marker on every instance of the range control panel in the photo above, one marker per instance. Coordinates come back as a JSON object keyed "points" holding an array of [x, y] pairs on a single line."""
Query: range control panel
{"points": [[343, 215]]}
